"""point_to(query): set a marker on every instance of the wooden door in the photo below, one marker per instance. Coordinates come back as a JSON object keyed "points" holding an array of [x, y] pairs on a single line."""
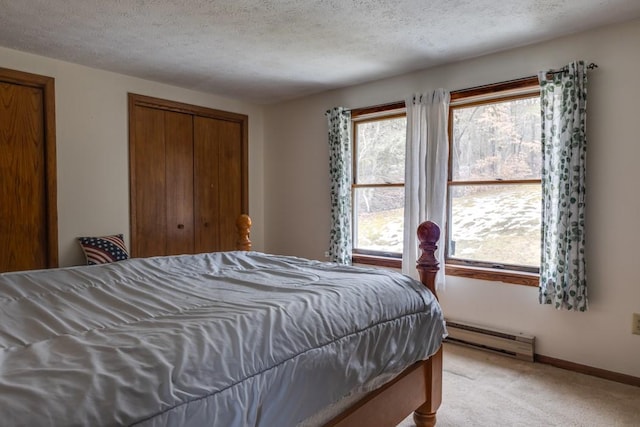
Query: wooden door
{"points": [[207, 184], [218, 181], [163, 183], [204, 181], [178, 128], [148, 183], [28, 215]]}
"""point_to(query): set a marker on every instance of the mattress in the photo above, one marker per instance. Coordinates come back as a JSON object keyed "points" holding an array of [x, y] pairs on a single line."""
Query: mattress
{"points": [[222, 339]]}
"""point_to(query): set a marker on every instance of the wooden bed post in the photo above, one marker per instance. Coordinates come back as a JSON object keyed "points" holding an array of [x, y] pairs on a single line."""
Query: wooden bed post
{"points": [[427, 265], [244, 228]]}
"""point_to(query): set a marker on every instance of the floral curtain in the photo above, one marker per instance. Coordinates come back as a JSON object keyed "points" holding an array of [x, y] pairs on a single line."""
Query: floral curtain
{"points": [[340, 243], [563, 281], [425, 187]]}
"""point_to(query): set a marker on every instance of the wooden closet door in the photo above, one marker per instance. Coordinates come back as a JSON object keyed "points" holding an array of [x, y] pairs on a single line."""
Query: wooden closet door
{"points": [[230, 175], [179, 178], [185, 196], [218, 183], [163, 182], [205, 167], [149, 183], [23, 188]]}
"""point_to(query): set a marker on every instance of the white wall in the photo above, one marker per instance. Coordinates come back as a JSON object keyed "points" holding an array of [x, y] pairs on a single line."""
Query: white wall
{"points": [[92, 146], [297, 206]]}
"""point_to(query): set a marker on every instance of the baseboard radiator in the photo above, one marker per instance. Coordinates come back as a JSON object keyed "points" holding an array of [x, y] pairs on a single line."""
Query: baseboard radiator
{"points": [[519, 346]]}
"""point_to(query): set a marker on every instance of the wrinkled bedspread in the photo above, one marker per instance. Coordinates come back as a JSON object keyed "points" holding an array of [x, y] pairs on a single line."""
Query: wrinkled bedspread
{"points": [[220, 339]]}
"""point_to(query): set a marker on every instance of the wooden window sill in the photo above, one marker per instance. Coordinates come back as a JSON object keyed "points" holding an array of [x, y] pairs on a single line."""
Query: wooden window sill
{"points": [[376, 260], [507, 276]]}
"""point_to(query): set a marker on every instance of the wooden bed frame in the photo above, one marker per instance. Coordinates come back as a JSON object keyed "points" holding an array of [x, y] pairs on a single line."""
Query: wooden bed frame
{"points": [[419, 387]]}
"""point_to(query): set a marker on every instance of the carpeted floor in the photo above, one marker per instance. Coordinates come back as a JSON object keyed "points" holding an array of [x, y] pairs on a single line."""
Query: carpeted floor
{"points": [[481, 389]]}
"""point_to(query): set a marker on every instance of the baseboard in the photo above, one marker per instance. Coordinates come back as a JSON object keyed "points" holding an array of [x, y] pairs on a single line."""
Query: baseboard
{"points": [[516, 345], [588, 370]]}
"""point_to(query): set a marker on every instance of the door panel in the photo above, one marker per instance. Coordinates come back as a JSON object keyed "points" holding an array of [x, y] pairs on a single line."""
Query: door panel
{"points": [[230, 177], [23, 190], [150, 185], [179, 178], [207, 184]]}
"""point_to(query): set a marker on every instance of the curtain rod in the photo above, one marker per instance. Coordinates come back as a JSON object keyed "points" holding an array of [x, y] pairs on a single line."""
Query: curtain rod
{"points": [[590, 66], [564, 69], [344, 111]]}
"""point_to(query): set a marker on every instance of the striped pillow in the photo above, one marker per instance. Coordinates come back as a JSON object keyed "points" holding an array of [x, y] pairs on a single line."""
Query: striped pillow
{"points": [[103, 250]]}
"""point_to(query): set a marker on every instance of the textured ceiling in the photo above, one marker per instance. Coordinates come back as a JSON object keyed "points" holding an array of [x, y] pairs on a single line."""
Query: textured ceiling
{"points": [[268, 51]]}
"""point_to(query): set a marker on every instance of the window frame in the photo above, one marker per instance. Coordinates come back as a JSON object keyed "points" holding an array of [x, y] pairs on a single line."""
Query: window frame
{"points": [[365, 115], [503, 91]]}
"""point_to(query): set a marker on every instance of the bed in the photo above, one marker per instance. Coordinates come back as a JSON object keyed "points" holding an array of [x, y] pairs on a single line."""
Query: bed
{"points": [[222, 339]]}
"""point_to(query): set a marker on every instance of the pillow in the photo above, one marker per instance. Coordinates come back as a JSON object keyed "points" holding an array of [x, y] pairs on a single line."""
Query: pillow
{"points": [[103, 250]]}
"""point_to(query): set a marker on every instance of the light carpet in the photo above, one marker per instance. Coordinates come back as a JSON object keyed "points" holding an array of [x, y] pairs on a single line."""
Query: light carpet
{"points": [[484, 389]]}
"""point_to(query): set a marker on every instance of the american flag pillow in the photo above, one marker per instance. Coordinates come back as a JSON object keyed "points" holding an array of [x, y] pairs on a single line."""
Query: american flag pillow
{"points": [[103, 250]]}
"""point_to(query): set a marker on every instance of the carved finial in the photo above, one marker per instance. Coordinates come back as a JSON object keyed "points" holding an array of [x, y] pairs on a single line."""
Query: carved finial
{"points": [[244, 229], [428, 232], [427, 264]]}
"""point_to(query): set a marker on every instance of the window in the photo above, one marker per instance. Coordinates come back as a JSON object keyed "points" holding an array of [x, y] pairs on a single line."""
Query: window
{"points": [[494, 186], [379, 140]]}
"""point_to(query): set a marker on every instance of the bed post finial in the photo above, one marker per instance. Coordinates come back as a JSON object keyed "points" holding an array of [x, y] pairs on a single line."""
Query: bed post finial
{"points": [[244, 228], [427, 264]]}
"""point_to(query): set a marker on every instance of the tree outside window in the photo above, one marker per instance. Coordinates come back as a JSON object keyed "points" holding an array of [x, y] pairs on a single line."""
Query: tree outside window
{"points": [[378, 187], [494, 188], [494, 185]]}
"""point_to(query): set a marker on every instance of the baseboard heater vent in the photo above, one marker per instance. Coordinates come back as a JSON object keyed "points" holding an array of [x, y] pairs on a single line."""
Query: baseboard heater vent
{"points": [[519, 346]]}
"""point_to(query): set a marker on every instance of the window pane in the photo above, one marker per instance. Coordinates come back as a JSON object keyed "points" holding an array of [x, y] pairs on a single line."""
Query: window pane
{"points": [[500, 140], [499, 224], [380, 147], [379, 214]]}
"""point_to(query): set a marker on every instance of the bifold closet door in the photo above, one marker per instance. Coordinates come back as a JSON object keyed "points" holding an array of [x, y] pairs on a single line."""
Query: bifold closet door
{"points": [[163, 157], [218, 183], [23, 189], [179, 176], [188, 177]]}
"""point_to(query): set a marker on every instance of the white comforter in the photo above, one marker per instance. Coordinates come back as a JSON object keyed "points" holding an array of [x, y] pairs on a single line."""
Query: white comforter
{"points": [[221, 339]]}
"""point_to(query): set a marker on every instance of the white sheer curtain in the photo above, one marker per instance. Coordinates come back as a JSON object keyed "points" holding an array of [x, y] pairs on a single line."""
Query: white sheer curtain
{"points": [[427, 158]]}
